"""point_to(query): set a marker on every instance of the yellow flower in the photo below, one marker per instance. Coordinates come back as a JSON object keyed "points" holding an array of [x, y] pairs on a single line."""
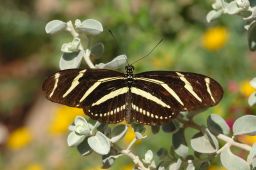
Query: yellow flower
{"points": [[130, 135], [19, 138], [246, 89], [215, 38], [128, 167], [216, 168], [34, 166], [250, 140], [63, 117]]}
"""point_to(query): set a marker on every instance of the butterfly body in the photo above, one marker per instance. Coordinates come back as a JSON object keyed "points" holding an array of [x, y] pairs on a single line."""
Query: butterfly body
{"points": [[151, 97]]}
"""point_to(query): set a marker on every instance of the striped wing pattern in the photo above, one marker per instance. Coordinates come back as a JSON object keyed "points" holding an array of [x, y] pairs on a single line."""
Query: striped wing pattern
{"points": [[153, 97]]}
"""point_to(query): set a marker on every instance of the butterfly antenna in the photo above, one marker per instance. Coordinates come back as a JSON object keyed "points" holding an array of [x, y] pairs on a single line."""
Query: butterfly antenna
{"points": [[159, 42], [114, 37]]}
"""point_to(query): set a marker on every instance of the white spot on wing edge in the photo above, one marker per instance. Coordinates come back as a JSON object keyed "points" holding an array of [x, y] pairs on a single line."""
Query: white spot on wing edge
{"points": [[56, 78], [207, 81], [188, 86], [75, 82]]}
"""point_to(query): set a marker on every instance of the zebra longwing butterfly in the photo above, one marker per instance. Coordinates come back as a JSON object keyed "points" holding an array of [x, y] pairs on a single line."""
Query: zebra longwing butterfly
{"points": [[152, 97]]}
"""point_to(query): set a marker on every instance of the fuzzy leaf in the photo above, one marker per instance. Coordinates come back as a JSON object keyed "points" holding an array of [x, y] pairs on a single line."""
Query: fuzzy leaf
{"points": [[232, 8], [205, 143], [118, 133], [99, 143], [115, 63], [252, 155], [71, 46], [233, 162], [71, 60], [84, 149], [217, 125], [252, 99], [74, 139], [252, 37], [176, 165], [213, 14], [148, 157], [138, 135], [91, 26], [55, 26], [179, 143], [190, 165], [245, 125]]}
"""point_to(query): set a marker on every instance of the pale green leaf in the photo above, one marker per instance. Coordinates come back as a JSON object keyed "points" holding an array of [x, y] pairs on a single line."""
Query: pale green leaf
{"points": [[74, 139], [55, 26], [176, 165], [252, 99], [148, 157], [217, 125], [253, 82], [252, 155], [232, 8], [233, 162], [91, 26], [190, 165], [118, 133], [71, 60], [245, 125], [179, 143], [99, 143], [115, 63], [213, 14]]}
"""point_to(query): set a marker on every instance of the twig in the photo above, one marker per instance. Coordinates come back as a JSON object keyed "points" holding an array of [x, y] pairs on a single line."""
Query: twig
{"points": [[234, 143], [135, 159]]}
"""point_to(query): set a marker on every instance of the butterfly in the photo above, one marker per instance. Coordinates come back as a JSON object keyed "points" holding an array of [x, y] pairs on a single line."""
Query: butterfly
{"points": [[152, 97]]}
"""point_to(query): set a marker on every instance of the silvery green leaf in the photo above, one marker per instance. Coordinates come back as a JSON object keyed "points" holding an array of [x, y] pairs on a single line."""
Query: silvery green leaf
{"points": [[78, 23], [245, 125], [190, 165], [148, 157], [107, 163], [245, 4], [153, 164], [55, 26], [179, 143], [176, 165], [115, 63], [252, 99], [99, 143], [138, 135], [217, 125], [71, 46], [161, 168], [233, 162], [252, 155], [118, 133], [81, 126], [232, 8], [71, 128], [74, 139], [71, 60], [97, 50], [253, 82], [84, 149], [205, 143], [91, 26], [252, 37], [213, 14], [219, 4]]}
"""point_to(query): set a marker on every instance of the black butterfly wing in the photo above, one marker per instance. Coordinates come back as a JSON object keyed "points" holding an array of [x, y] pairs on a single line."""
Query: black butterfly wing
{"points": [[165, 93], [86, 89]]}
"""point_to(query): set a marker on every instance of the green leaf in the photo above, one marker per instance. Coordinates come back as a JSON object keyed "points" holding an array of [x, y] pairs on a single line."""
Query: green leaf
{"points": [[176, 165], [205, 143], [84, 149], [179, 143], [114, 64], [71, 60], [91, 26], [74, 139], [252, 99], [55, 26], [148, 157], [245, 125], [118, 133], [217, 125], [233, 162], [252, 155], [99, 143], [251, 36]]}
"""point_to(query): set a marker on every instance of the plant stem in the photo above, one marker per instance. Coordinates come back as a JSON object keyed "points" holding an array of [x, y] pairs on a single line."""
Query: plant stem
{"points": [[231, 141], [135, 159]]}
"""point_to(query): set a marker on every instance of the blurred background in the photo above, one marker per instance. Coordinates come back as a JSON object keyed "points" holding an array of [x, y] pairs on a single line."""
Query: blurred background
{"points": [[33, 130]]}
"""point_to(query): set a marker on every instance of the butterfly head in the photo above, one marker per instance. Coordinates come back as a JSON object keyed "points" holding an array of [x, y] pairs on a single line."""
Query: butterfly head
{"points": [[129, 69]]}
